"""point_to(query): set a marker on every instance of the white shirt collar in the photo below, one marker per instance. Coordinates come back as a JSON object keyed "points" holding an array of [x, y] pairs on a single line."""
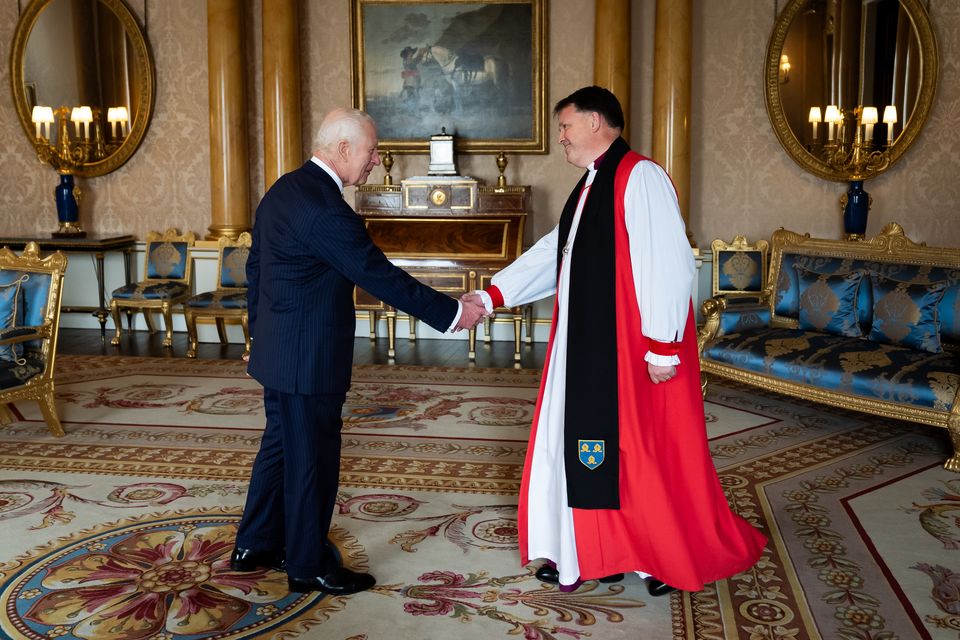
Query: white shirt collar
{"points": [[320, 163]]}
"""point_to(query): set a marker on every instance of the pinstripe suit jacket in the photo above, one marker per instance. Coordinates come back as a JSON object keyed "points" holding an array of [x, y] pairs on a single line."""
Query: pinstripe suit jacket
{"points": [[309, 249]]}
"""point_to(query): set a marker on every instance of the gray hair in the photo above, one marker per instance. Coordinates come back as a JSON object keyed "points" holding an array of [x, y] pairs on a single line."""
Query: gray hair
{"points": [[341, 124]]}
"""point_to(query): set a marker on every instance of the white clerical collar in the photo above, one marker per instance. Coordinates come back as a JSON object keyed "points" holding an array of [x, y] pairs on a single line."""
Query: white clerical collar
{"points": [[320, 163]]}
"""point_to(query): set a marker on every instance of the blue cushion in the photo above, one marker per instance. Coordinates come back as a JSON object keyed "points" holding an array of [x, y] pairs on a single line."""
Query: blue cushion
{"points": [[233, 267], [167, 260], [741, 314], [787, 290], [828, 302], [786, 293], [906, 313], [846, 365], [218, 300], [739, 271], [151, 291]]}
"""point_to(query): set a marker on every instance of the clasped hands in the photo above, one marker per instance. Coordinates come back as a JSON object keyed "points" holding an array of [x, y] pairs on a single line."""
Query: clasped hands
{"points": [[473, 312]]}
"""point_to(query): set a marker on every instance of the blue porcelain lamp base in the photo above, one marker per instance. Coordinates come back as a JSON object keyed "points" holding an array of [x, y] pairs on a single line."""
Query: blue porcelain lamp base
{"points": [[68, 211], [855, 204]]}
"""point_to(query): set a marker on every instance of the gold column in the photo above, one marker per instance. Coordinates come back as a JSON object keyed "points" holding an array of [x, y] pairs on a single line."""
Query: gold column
{"points": [[671, 97], [281, 89], [229, 165], [611, 50]]}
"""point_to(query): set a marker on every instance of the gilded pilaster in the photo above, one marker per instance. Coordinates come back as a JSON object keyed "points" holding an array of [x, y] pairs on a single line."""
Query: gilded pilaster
{"points": [[229, 155], [281, 89], [671, 97], [611, 59]]}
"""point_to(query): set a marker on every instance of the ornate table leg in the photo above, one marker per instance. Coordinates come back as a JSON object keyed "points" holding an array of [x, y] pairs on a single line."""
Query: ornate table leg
{"points": [[101, 313]]}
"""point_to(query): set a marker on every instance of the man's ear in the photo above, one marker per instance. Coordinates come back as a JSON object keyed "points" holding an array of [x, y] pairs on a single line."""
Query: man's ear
{"points": [[343, 149], [595, 121]]}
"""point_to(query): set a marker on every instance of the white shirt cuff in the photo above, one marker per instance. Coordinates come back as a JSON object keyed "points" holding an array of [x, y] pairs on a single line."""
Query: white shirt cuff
{"points": [[487, 300], [456, 318], [661, 361]]}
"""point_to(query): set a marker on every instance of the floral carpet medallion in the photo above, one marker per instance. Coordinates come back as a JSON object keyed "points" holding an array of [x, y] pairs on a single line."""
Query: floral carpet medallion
{"points": [[159, 577]]}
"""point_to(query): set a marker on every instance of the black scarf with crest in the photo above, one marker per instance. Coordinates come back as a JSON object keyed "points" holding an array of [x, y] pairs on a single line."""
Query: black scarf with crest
{"points": [[591, 411]]}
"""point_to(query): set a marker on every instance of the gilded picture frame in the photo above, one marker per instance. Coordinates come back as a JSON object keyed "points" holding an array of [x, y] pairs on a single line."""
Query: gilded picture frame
{"points": [[475, 69]]}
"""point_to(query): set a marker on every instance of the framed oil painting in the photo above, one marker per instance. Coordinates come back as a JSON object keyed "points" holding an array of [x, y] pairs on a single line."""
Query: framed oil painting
{"points": [[475, 69]]}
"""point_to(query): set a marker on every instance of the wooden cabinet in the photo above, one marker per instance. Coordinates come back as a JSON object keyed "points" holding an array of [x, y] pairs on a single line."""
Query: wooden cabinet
{"points": [[451, 233]]}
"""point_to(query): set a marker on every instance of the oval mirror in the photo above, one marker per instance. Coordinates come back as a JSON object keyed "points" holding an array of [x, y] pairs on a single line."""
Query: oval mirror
{"points": [[83, 83], [850, 83]]}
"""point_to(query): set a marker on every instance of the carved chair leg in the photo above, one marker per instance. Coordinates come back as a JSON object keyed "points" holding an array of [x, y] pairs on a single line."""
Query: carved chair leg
{"points": [[953, 463], [413, 328], [528, 317], [6, 416], [117, 323], [472, 344], [221, 330], [191, 321], [517, 327], [148, 318], [391, 334], [703, 385], [244, 323], [168, 325], [49, 410], [372, 316], [487, 330]]}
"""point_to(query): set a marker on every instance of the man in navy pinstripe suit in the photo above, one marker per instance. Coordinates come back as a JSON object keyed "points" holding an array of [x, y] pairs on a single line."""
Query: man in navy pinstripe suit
{"points": [[309, 250]]}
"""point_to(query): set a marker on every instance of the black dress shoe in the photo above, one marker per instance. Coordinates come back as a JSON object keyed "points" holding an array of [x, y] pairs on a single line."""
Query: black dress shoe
{"points": [[251, 560], [339, 582], [546, 573], [616, 577], [658, 588]]}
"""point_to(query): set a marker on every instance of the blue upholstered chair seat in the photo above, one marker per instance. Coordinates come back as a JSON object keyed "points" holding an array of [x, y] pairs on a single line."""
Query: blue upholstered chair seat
{"points": [[14, 374], [852, 366], [151, 291], [218, 300]]}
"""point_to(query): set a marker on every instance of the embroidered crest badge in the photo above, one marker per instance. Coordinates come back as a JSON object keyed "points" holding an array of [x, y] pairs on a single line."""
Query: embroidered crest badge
{"points": [[591, 453]]}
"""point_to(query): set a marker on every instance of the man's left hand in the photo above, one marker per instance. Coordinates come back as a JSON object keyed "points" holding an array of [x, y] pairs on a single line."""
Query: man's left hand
{"points": [[661, 374]]}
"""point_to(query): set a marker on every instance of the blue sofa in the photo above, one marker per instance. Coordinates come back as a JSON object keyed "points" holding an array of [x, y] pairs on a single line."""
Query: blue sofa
{"points": [[870, 325]]}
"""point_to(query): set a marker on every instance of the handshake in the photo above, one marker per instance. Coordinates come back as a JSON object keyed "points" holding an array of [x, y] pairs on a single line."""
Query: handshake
{"points": [[474, 311]]}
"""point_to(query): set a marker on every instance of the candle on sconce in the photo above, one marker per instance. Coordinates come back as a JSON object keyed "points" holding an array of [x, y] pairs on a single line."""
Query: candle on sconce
{"points": [[123, 119], [869, 118], [832, 117], [82, 118], [815, 119], [113, 118], [890, 119], [42, 117], [75, 119]]}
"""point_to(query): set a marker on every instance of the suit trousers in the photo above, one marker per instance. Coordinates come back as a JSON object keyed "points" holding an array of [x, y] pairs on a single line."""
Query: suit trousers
{"points": [[293, 486]]}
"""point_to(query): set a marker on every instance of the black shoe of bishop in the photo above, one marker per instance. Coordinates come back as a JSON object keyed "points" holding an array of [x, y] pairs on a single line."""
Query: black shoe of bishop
{"points": [[339, 582], [546, 573], [658, 588], [251, 559]]}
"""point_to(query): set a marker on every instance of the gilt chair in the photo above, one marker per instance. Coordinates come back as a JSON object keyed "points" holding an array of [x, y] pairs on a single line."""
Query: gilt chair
{"points": [[739, 268], [167, 267], [228, 300], [30, 289]]}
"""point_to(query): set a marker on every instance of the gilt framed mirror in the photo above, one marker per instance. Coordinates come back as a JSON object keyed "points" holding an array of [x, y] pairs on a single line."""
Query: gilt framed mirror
{"points": [[82, 69], [849, 84]]}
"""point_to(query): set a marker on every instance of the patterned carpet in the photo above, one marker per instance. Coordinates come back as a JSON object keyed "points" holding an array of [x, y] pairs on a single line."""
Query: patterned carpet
{"points": [[121, 529]]}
